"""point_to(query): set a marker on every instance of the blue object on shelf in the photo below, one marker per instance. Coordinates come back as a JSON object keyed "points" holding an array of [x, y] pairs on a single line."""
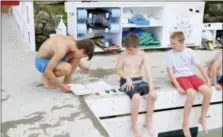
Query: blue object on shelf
{"points": [[139, 20], [114, 28], [138, 31], [81, 28], [115, 13], [82, 14]]}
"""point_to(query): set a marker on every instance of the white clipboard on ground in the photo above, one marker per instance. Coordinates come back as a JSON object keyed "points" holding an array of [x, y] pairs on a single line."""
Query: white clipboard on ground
{"points": [[80, 89]]}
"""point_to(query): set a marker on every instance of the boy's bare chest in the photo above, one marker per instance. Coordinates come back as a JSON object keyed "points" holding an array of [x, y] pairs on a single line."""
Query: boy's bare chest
{"points": [[133, 61]]}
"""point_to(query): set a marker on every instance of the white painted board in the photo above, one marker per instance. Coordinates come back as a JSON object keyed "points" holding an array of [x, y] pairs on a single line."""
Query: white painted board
{"points": [[119, 103], [99, 86], [163, 121], [79, 89]]}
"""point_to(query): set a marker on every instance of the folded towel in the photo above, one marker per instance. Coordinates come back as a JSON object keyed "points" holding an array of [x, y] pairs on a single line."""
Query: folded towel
{"points": [[139, 20]]}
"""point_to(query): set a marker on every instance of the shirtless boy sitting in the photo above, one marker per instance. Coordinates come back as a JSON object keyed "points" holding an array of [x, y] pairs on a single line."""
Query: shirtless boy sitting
{"points": [[215, 70], [128, 67], [179, 62], [59, 56]]}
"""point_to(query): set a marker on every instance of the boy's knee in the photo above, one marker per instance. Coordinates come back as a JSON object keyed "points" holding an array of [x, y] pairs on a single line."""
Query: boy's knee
{"points": [[191, 93], [208, 93], [136, 97], [67, 68]]}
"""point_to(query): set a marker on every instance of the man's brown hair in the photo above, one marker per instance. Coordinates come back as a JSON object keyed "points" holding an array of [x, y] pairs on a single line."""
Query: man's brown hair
{"points": [[179, 35], [88, 47], [131, 41]]}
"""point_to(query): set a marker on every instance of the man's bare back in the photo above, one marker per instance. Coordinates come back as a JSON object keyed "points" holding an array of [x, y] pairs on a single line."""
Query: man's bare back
{"points": [[216, 62], [132, 64], [56, 44], [215, 69]]}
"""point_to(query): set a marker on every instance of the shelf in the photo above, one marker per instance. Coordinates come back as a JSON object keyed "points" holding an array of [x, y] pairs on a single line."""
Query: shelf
{"points": [[156, 13], [140, 26], [212, 26], [99, 50]]}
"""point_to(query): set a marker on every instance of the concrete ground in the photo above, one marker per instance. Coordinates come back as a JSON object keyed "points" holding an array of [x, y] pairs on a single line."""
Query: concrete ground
{"points": [[29, 110]]}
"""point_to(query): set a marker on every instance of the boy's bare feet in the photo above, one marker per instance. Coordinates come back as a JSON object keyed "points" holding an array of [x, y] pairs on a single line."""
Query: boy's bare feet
{"points": [[136, 132], [186, 130], [204, 125], [149, 126], [47, 83]]}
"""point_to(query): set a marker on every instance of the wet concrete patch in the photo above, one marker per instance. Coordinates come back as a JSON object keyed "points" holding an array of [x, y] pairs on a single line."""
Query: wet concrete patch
{"points": [[77, 79], [44, 126], [34, 135], [93, 80], [14, 123], [101, 73], [65, 106], [72, 117], [36, 113], [63, 135], [66, 99], [40, 85], [5, 99]]}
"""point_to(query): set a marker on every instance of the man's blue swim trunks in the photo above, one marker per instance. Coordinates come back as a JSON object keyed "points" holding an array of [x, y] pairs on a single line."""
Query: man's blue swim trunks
{"points": [[41, 63]]}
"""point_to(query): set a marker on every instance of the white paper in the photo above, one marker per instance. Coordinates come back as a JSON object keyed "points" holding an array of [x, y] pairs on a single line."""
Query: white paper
{"points": [[100, 86], [79, 89]]}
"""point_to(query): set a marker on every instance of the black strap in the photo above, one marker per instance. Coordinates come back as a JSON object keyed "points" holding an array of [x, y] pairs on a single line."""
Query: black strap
{"points": [[220, 81]]}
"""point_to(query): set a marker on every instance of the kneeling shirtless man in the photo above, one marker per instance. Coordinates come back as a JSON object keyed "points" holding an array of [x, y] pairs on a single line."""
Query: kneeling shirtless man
{"points": [[59, 56], [215, 70]]}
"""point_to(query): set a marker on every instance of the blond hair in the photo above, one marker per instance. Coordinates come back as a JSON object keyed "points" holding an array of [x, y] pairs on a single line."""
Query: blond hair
{"points": [[179, 35], [131, 41]]}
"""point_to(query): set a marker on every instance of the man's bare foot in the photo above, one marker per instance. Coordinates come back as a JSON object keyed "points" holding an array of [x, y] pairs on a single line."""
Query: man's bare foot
{"points": [[204, 125], [149, 126], [186, 131], [47, 83], [136, 132]]}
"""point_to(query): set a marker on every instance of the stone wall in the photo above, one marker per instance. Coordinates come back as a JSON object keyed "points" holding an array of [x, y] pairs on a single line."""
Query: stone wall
{"points": [[213, 11], [46, 20]]}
